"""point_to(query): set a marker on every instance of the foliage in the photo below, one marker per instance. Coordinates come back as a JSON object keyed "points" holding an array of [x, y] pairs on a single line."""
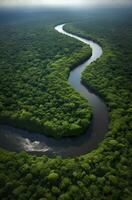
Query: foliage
{"points": [[105, 173], [35, 62]]}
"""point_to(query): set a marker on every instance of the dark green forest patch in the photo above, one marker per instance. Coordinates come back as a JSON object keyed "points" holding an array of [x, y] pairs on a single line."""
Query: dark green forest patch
{"points": [[35, 62]]}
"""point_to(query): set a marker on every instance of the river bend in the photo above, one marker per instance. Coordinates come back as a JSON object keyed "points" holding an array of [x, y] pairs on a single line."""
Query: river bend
{"points": [[17, 140]]}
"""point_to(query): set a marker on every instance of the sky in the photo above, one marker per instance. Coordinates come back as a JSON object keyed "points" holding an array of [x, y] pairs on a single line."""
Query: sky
{"points": [[65, 2]]}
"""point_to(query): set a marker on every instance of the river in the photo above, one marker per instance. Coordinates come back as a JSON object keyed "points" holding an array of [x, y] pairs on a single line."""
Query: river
{"points": [[14, 139]]}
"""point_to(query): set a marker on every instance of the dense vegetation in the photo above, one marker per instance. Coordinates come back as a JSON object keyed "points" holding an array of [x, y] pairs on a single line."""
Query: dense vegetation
{"points": [[34, 93], [105, 173]]}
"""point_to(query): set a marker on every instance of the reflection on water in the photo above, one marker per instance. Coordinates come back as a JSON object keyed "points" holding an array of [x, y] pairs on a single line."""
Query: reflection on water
{"points": [[16, 140]]}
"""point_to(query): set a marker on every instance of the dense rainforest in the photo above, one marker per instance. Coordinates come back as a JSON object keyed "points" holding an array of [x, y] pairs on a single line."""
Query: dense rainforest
{"points": [[105, 173], [34, 93]]}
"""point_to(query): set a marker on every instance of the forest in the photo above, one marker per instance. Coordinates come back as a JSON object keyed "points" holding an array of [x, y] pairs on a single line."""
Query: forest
{"points": [[34, 93], [106, 172]]}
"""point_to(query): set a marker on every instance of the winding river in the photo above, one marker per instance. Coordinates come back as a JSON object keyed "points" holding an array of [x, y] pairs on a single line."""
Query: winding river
{"points": [[14, 139]]}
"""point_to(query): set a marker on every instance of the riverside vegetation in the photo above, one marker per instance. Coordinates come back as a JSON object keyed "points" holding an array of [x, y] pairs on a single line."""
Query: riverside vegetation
{"points": [[105, 173], [34, 93]]}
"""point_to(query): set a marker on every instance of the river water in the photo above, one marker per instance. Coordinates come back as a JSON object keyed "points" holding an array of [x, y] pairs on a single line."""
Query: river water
{"points": [[13, 139]]}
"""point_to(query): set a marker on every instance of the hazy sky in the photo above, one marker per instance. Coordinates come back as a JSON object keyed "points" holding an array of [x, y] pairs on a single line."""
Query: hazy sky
{"points": [[65, 2]]}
